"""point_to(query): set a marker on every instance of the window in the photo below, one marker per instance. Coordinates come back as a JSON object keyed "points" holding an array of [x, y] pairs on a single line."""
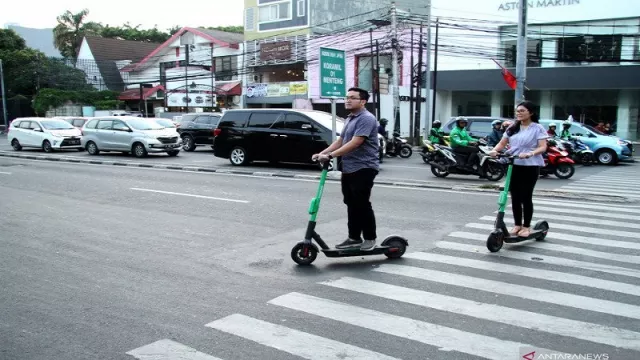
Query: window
{"points": [[275, 12], [263, 119], [204, 119], [365, 65], [120, 126], [91, 124], [234, 119], [104, 125], [25, 125], [301, 8], [297, 122], [590, 48], [226, 68], [249, 19], [481, 127]]}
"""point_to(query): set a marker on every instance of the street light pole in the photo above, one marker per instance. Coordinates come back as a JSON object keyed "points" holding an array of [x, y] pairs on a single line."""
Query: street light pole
{"points": [[4, 98], [396, 72], [427, 95]]}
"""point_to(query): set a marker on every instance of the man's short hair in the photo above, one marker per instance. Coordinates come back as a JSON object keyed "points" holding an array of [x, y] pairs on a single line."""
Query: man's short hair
{"points": [[364, 94]]}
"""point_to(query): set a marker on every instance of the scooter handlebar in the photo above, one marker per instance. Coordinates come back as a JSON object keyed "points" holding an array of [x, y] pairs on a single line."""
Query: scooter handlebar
{"points": [[325, 164]]}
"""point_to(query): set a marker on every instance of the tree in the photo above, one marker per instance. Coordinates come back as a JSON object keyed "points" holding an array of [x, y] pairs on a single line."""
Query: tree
{"points": [[10, 40], [128, 32], [239, 29], [71, 29]]}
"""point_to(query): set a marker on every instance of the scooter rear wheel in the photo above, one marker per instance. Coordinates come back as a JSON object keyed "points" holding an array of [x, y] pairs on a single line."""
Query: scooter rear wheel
{"points": [[304, 255], [396, 249], [543, 226], [495, 241]]}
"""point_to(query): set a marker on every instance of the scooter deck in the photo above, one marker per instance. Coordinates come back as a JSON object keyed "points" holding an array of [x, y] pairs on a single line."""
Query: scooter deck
{"points": [[515, 239], [355, 251]]}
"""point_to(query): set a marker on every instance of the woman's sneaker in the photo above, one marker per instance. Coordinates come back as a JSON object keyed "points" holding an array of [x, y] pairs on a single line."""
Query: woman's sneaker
{"points": [[349, 243], [368, 245]]}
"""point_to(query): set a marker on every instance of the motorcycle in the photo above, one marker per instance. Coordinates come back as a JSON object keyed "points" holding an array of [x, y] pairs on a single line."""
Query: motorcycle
{"points": [[382, 148], [445, 161], [578, 151], [429, 150], [557, 162], [399, 146]]}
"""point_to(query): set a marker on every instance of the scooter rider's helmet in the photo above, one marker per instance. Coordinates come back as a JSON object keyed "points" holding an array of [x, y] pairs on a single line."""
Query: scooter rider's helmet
{"points": [[552, 125], [496, 122], [436, 124], [384, 121], [566, 124], [461, 120]]}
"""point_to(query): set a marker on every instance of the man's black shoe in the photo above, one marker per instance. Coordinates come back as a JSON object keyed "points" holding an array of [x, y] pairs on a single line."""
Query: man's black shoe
{"points": [[349, 243]]}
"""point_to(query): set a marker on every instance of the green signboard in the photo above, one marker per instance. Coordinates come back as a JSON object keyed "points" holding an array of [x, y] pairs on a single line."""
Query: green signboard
{"points": [[332, 73]]}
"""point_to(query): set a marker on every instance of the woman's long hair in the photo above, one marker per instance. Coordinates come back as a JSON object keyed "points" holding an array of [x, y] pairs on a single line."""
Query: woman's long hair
{"points": [[515, 128]]}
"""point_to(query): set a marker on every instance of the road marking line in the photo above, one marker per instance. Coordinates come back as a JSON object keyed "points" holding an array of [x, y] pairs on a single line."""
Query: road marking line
{"points": [[5, 173], [585, 212], [584, 205], [525, 319], [304, 345], [631, 259], [584, 229], [190, 195], [587, 220], [445, 338], [573, 238], [527, 256], [509, 289], [168, 350]]}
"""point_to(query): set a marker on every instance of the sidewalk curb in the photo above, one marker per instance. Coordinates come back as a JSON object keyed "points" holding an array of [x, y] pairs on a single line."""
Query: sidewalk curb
{"points": [[484, 188]]}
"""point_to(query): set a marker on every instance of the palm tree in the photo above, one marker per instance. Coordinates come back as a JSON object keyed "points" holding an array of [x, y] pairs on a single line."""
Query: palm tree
{"points": [[71, 29]]}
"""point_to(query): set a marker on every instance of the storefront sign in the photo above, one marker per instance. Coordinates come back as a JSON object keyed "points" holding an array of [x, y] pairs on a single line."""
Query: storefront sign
{"points": [[180, 99], [277, 89], [280, 50], [513, 5]]}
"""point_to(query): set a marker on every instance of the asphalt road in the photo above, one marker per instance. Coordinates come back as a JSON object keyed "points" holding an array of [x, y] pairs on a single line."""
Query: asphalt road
{"points": [[398, 169], [100, 261]]}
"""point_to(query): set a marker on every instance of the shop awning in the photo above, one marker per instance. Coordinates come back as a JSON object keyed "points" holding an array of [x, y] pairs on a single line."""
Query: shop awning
{"points": [[229, 89], [134, 94]]}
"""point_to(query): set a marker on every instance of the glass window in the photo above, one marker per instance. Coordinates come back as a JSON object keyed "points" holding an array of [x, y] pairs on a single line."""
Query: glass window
{"points": [[274, 12], [120, 126], [297, 122], [25, 125], [480, 126], [92, 124], [144, 124], [205, 120], [300, 8], [234, 119], [105, 125], [56, 124], [263, 119]]}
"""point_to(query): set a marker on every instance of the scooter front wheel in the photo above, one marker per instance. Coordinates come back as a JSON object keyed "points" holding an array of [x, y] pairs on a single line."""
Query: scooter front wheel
{"points": [[304, 254], [495, 241], [396, 249]]}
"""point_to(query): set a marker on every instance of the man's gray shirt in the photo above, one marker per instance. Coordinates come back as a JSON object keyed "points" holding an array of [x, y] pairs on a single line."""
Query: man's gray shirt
{"points": [[364, 156]]}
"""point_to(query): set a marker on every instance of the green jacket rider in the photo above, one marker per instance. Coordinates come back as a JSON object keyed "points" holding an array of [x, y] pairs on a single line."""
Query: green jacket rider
{"points": [[565, 134], [459, 136], [436, 133]]}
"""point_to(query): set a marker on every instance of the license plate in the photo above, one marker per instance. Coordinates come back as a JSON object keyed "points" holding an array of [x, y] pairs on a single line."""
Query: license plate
{"points": [[74, 142]]}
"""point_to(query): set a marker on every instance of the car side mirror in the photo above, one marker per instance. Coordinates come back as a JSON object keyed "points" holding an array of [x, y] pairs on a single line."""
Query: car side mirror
{"points": [[306, 126], [37, 129]]}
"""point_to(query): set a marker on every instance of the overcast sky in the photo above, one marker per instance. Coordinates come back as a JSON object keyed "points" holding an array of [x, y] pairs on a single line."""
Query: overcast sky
{"points": [[42, 13]]}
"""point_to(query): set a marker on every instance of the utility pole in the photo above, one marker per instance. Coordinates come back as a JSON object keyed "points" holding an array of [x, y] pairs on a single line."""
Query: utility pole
{"points": [[521, 54], [186, 75], [418, 114], [411, 113], [428, 120], [394, 60], [435, 74], [373, 74], [4, 98]]}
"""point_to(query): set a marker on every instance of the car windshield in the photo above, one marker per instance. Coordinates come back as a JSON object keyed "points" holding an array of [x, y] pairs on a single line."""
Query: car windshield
{"points": [[143, 124], [166, 123], [56, 125]]}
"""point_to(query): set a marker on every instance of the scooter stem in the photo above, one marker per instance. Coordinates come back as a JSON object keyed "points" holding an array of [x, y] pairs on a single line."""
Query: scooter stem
{"points": [[504, 195], [315, 202]]}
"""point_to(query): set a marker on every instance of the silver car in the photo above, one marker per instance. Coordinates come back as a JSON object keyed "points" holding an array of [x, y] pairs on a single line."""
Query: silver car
{"points": [[139, 136]]}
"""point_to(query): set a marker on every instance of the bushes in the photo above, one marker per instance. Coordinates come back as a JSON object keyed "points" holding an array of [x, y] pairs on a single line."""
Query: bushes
{"points": [[47, 99]]}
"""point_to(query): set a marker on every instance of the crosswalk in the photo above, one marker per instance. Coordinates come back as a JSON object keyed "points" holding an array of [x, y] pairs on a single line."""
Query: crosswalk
{"points": [[576, 294], [620, 181]]}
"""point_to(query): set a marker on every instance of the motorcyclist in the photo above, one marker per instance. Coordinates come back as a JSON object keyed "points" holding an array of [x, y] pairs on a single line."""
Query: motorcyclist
{"points": [[461, 142], [382, 128], [436, 134], [552, 130], [566, 134], [496, 134]]}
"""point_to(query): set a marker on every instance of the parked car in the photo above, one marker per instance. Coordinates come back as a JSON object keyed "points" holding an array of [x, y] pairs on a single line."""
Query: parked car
{"points": [[166, 123], [197, 129], [274, 135], [126, 134], [76, 121], [45, 133], [477, 126], [608, 149]]}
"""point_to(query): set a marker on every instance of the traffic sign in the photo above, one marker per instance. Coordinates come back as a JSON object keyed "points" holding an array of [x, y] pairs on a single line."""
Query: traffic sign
{"points": [[332, 73]]}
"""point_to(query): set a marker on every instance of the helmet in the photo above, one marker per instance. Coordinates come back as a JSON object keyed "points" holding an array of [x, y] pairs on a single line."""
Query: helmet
{"points": [[552, 125], [566, 123], [461, 119], [384, 121], [496, 122], [436, 124]]}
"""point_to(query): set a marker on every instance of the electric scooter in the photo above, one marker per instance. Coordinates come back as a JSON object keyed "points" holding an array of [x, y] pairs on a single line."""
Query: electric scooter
{"points": [[305, 252], [500, 234]]}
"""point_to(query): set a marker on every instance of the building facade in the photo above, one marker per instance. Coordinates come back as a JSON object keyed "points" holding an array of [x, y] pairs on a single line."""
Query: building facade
{"points": [[196, 69], [583, 61]]}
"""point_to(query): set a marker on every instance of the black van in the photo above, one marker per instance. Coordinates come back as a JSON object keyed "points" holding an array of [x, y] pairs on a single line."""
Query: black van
{"points": [[274, 135]]}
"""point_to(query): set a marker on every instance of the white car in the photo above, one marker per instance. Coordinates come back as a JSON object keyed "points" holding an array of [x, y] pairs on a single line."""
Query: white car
{"points": [[129, 134], [47, 134]]}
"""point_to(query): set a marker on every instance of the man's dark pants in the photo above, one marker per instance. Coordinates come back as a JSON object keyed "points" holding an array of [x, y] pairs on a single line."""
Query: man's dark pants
{"points": [[356, 189], [470, 151]]}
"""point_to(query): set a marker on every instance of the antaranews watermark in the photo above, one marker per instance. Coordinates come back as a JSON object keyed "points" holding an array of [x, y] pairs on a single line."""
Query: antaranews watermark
{"points": [[532, 354]]}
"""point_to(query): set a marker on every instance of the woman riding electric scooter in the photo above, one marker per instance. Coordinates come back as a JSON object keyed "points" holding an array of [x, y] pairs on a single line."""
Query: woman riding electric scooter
{"points": [[528, 141]]}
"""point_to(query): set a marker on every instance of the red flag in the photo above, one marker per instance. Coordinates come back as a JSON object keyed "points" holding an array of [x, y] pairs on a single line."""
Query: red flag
{"points": [[509, 78]]}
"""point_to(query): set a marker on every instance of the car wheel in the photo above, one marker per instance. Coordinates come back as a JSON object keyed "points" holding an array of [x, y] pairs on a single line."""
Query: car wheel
{"points": [[606, 157], [238, 156], [15, 144], [92, 148], [188, 144], [46, 146], [139, 151]]}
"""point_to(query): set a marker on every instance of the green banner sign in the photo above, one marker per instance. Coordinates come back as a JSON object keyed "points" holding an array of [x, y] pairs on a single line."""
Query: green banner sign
{"points": [[332, 73]]}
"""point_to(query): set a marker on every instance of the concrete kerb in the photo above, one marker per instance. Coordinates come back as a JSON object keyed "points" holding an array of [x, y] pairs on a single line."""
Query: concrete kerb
{"points": [[333, 176]]}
